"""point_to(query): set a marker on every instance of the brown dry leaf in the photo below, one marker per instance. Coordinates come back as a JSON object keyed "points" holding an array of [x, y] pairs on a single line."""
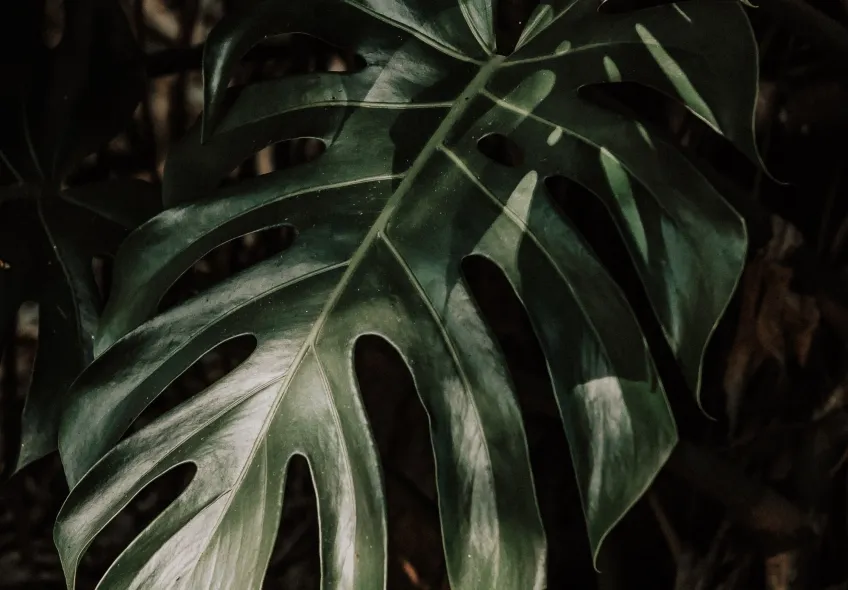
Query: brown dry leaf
{"points": [[781, 571], [775, 322]]}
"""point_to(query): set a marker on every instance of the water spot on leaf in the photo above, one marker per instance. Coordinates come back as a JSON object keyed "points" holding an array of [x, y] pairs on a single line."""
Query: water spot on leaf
{"points": [[501, 149]]}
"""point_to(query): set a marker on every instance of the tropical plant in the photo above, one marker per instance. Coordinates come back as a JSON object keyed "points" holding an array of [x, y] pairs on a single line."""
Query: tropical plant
{"points": [[59, 104], [407, 189]]}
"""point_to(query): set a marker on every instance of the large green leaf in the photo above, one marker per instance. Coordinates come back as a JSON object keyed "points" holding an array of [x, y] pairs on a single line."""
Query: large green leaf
{"points": [[57, 106], [384, 219]]}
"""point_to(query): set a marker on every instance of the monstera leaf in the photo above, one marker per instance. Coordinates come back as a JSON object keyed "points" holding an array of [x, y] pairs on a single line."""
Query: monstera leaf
{"points": [[384, 218], [65, 103]]}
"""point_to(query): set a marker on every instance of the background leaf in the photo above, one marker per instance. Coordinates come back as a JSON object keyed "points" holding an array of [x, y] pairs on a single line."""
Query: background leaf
{"points": [[61, 104], [48, 247]]}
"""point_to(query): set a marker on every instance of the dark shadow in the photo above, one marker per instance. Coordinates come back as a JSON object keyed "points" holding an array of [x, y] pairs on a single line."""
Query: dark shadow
{"points": [[295, 559], [619, 6], [510, 18], [635, 101], [16, 367], [227, 259], [590, 217], [102, 269], [287, 55], [501, 149], [666, 117], [205, 371], [834, 570], [53, 27], [635, 554], [569, 555], [283, 154], [142, 510], [401, 429]]}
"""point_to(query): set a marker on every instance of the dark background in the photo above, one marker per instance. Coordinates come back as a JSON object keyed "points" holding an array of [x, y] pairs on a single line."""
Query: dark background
{"points": [[753, 499]]}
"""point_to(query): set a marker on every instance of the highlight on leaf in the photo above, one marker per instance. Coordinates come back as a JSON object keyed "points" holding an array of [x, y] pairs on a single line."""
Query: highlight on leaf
{"points": [[439, 151]]}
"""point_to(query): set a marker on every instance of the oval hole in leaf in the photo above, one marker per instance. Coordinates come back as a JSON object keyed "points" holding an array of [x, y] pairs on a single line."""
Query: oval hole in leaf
{"points": [[590, 217], [501, 149], [142, 510], [402, 433], [569, 555], [295, 559], [510, 19], [277, 156], [16, 368], [285, 55], [585, 211], [666, 118], [205, 371], [639, 102], [226, 260]]}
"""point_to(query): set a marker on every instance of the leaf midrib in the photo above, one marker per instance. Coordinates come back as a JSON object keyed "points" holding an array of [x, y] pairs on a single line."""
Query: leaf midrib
{"points": [[461, 104], [379, 226]]}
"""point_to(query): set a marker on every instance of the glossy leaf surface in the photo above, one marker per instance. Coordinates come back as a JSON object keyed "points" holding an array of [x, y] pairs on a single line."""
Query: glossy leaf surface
{"points": [[402, 194], [57, 106]]}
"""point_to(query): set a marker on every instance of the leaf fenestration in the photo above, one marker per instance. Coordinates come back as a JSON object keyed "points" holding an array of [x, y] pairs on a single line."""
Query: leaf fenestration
{"points": [[385, 217]]}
